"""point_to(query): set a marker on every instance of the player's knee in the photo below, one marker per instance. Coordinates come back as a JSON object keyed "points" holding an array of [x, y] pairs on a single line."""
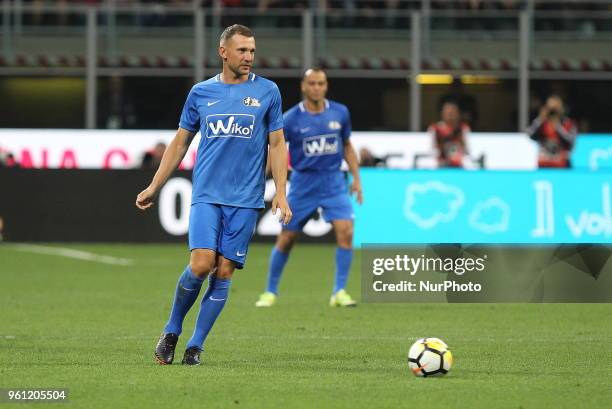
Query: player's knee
{"points": [[345, 235], [284, 246], [225, 274], [345, 243], [285, 242], [225, 270], [201, 266]]}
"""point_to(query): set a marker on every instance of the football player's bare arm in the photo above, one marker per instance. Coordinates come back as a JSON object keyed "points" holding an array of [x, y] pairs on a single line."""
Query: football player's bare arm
{"points": [[279, 165], [268, 166], [173, 155], [350, 156]]}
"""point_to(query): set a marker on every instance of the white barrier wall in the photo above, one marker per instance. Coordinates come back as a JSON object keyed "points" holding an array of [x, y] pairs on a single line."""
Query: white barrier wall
{"points": [[119, 149]]}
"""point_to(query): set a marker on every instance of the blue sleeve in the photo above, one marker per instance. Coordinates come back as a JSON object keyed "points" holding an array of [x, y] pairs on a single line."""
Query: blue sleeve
{"points": [[346, 126], [275, 113], [190, 117]]}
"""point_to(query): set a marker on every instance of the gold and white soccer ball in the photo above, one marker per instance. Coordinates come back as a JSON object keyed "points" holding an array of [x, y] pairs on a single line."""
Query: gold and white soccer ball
{"points": [[429, 357]]}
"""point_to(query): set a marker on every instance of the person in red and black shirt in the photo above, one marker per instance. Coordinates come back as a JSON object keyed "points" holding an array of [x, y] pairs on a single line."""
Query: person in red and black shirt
{"points": [[555, 133], [7, 159], [449, 137]]}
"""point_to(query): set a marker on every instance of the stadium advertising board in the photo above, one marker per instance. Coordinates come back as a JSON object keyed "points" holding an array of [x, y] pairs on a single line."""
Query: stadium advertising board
{"points": [[91, 205], [448, 206], [593, 152], [400, 206], [121, 149]]}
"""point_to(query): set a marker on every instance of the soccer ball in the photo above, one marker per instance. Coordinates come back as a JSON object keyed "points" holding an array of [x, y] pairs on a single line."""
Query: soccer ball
{"points": [[429, 357]]}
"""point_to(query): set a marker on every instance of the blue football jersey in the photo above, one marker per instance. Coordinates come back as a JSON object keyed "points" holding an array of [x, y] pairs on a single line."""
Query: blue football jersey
{"points": [[316, 140], [234, 121]]}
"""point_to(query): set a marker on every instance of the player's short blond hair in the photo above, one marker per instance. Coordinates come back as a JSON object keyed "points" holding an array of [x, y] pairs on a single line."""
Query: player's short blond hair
{"points": [[236, 29]]}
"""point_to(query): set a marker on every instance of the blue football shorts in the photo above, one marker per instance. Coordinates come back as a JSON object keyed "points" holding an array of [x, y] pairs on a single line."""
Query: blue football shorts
{"points": [[335, 207], [224, 229]]}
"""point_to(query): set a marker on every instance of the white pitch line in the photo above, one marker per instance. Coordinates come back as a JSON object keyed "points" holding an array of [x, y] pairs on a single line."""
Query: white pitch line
{"points": [[72, 253]]}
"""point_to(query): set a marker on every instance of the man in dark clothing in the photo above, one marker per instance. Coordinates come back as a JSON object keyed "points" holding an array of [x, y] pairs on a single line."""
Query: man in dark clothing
{"points": [[555, 133]]}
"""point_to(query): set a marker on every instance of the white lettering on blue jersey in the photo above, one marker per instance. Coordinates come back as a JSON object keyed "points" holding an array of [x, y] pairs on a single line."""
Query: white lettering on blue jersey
{"points": [[316, 140], [320, 145], [230, 125]]}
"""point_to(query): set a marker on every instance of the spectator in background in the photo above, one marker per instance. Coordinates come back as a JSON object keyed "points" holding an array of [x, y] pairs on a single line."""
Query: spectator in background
{"points": [[449, 137], [7, 160], [368, 160], [555, 134], [468, 107], [152, 158]]}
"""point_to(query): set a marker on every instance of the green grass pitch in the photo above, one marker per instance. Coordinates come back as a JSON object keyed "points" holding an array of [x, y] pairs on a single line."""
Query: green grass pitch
{"points": [[91, 327]]}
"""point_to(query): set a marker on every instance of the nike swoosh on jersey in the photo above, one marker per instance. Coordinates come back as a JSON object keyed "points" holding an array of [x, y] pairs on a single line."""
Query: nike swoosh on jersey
{"points": [[302, 130], [213, 102], [239, 254]]}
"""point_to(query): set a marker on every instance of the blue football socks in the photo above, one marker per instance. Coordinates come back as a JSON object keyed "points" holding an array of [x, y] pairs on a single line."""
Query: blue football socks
{"points": [[212, 304], [343, 266], [278, 260], [187, 290]]}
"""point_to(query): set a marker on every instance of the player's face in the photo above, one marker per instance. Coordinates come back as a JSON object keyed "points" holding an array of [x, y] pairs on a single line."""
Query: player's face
{"points": [[238, 54], [450, 113], [314, 86]]}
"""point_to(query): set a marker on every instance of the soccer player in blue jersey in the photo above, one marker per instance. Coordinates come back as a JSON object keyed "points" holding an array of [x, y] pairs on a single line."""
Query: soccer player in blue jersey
{"points": [[318, 131], [239, 117]]}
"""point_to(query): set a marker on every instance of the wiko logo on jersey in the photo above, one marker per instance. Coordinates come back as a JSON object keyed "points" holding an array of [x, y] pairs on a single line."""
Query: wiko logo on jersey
{"points": [[320, 145], [230, 125]]}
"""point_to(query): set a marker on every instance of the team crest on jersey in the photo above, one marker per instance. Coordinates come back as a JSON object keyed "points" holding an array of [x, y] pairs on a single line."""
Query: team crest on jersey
{"points": [[230, 126], [251, 102], [334, 125], [320, 145]]}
